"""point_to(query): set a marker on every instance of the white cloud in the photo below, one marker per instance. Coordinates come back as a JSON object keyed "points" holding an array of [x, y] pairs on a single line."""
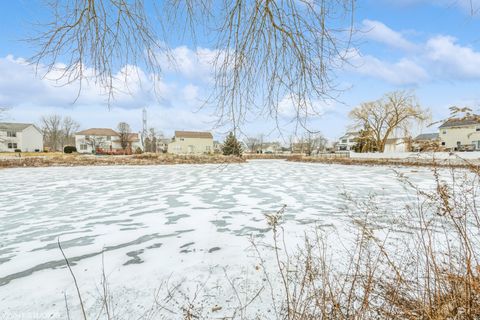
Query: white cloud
{"points": [[378, 31], [451, 59], [402, 72], [173, 106], [289, 108], [438, 58], [191, 64]]}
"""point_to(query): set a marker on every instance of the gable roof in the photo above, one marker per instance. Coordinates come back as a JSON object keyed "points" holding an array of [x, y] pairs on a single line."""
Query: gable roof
{"points": [[16, 126], [193, 134], [427, 136], [455, 122], [98, 132], [133, 137]]}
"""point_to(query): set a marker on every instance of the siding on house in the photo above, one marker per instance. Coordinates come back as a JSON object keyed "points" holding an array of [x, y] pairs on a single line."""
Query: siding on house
{"points": [[348, 141], [397, 145], [23, 136], [457, 133], [191, 142], [90, 140]]}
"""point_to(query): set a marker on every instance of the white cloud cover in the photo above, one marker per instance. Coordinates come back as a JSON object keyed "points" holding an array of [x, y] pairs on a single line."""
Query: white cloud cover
{"points": [[377, 31], [192, 64], [171, 105], [451, 59], [438, 58], [401, 72]]}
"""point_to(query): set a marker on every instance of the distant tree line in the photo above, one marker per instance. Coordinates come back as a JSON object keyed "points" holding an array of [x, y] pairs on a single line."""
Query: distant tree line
{"points": [[58, 131]]}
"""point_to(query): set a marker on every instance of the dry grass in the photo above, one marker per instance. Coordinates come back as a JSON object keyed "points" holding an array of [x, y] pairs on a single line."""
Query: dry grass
{"points": [[70, 160], [410, 162]]}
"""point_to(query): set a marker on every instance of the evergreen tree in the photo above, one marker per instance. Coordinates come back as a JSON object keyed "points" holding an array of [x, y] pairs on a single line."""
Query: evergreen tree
{"points": [[231, 146]]}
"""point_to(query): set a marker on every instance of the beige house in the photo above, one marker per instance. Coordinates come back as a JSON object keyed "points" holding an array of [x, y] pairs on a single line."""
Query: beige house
{"points": [[460, 134], [104, 140], [191, 142], [25, 137]]}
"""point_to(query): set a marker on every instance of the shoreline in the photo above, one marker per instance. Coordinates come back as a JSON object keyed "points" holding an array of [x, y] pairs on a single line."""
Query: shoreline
{"points": [[438, 163], [75, 160], [132, 160]]}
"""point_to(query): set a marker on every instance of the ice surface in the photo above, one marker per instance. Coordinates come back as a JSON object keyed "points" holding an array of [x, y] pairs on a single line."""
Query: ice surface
{"points": [[157, 222]]}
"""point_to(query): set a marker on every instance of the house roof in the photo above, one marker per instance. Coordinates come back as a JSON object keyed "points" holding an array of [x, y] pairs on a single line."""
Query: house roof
{"points": [[427, 136], [98, 132], [15, 126], [133, 137], [193, 134], [350, 134], [395, 140], [455, 122]]}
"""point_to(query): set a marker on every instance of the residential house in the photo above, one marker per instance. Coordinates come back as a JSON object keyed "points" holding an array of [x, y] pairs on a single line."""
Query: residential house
{"points": [[217, 146], [426, 142], [105, 140], [162, 145], [270, 147], [25, 137], [460, 134], [191, 142], [397, 145], [348, 141]]}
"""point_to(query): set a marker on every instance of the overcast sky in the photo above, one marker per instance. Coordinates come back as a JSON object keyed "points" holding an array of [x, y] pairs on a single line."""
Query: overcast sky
{"points": [[429, 46]]}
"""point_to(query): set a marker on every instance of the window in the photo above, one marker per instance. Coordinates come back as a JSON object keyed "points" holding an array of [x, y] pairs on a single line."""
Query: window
{"points": [[87, 137], [477, 129], [83, 147], [344, 140], [444, 132], [181, 139], [443, 143], [12, 134], [12, 145], [109, 138], [207, 148]]}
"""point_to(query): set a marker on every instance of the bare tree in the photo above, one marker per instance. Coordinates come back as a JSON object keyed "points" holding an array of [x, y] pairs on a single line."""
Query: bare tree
{"points": [[271, 50], [52, 131], [395, 111], [102, 35], [95, 142], [69, 127], [253, 144], [266, 50], [314, 143], [152, 139], [124, 135]]}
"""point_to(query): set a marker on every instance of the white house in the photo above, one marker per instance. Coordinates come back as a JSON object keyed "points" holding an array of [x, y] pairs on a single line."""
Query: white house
{"points": [[348, 141], [460, 134], [397, 145], [105, 140], [191, 142], [20, 136]]}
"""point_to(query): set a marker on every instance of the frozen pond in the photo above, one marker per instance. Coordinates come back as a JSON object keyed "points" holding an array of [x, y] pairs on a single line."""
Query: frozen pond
{"points": [[156, 222]]}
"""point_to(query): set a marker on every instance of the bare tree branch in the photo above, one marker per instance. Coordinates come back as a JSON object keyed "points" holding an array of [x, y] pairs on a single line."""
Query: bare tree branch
{"points": [[265, 50]]}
